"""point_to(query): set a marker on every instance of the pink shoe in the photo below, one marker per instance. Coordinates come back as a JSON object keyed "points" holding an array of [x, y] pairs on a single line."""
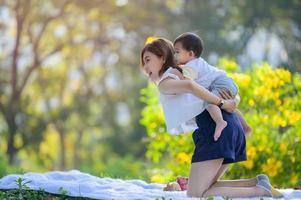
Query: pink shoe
{"points": [[183, 182]]}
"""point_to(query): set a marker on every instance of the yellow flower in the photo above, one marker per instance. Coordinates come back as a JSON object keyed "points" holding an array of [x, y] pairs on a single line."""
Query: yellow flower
{"points": [[283, 146], [284, 74], [278, 103], [251, 102], [157, 178], [228, 65], [184, 157], [251, 152], [271, 167], [265, 119], [262, 143], [248, 164], [150, 39], [279, 121], [262, 91], [294, 179], [153, 125], [181, 141], [276, 95], [294, 117], [243, 80]]}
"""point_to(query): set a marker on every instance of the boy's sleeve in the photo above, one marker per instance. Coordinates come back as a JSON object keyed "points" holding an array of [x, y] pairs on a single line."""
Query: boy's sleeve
{"points": [[189, 72]]}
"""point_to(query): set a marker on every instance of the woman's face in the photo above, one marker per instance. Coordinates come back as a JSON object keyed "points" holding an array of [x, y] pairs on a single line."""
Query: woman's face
{"points": [[152, 65]]}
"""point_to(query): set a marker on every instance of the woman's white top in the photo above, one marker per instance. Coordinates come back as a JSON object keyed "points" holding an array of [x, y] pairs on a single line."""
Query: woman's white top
{"points": [[180, 110]]}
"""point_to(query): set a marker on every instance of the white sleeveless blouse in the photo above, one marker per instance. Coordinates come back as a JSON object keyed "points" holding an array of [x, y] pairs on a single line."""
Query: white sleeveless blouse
{"points": [[180, 110]]}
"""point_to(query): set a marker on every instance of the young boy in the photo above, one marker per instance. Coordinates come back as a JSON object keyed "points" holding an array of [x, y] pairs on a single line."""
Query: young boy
{"points": [[188, 49]]}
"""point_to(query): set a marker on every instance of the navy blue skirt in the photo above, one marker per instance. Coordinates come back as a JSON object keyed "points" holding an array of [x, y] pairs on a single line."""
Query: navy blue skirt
{"points": [[231, 145]]}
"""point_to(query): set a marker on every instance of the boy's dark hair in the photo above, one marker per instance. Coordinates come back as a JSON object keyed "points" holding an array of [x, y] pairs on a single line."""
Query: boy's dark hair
{"points": [[191, 42]]}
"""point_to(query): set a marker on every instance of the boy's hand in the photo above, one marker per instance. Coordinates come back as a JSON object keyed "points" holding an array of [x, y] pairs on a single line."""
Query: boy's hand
{"points": [[177, 73]]}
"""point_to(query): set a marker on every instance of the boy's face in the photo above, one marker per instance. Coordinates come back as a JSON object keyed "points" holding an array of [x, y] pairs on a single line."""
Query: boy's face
{"points": [[182, 56], [152, 65]]}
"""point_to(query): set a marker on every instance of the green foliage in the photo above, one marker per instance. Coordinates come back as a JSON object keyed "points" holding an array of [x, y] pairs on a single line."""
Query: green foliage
{"points": [[3, 165], [23, 193], [63, 191], [125, 168], [5, 168], [270, 102], [61, 100]]}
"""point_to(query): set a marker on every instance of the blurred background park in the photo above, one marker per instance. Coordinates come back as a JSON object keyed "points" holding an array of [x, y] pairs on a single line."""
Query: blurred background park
{"points": [[72, 95]]}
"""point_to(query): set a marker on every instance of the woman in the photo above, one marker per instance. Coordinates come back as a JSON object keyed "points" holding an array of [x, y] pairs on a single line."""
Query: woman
{"points": [[210, 158]]}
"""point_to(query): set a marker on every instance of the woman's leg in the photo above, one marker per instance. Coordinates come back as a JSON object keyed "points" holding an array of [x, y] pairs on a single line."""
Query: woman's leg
{"points": [[232, 183], [203, 174], [183, 181], [236, 183], [234, 192], [220, 173]]}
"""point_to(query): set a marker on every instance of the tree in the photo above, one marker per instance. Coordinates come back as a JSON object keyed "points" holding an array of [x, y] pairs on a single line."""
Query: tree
{"points": [[27, 18], [99, 43]]}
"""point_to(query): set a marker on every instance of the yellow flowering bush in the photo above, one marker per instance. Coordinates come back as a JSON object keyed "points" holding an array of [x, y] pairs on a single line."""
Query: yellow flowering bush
{"points": [[270, 102]]}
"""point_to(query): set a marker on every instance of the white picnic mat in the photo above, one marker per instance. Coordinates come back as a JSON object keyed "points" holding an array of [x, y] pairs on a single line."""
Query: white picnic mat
{"points": [[80, 184]]}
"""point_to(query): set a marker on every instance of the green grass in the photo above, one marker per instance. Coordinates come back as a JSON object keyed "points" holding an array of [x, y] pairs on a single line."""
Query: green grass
{"points": [[16, 194], [23, 193]]}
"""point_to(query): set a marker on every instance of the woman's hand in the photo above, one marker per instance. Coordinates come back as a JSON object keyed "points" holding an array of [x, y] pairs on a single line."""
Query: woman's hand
{"points": [[225, 94], [230, 103]]}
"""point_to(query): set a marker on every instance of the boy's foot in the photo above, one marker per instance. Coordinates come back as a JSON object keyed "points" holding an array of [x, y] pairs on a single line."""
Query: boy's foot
{"points": [[247, 130], [218, 129], [183, 182]]}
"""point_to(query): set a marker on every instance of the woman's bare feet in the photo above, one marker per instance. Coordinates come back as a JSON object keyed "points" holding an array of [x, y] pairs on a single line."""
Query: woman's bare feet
{"points": [[172, 186], [220, 125], [269, 190], [183, 182]]}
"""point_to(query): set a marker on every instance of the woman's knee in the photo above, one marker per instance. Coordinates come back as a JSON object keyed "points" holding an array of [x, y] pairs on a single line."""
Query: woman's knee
{"points": [[190, 193], [195, 192]]}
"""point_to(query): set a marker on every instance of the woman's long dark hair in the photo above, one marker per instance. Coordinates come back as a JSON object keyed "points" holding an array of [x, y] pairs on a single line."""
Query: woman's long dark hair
{"points": [[162, 48]]}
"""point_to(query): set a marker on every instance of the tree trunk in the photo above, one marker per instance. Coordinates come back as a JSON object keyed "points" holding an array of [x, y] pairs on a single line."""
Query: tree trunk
{"points": [[12, 129], [62, 149], [76, 157]]}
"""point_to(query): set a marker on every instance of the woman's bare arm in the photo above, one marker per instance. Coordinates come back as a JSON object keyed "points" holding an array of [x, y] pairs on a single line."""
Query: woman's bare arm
{"points": [[172, 86]]}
